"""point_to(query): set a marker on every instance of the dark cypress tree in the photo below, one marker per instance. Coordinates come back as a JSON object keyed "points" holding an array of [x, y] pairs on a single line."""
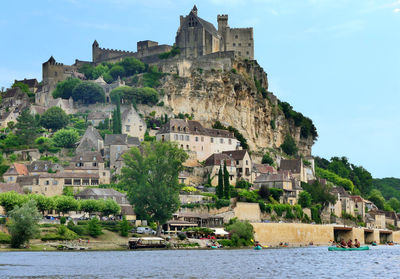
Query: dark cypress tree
{"points": [[119, 118], [220, 186], [227, 190], [26, 128]]}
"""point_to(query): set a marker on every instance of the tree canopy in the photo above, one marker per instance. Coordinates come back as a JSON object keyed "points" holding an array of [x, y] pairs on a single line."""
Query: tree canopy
{"points": [[26, 127], [54, 118], [88, 93], [64, 88], [151, 177], [65, 138]]}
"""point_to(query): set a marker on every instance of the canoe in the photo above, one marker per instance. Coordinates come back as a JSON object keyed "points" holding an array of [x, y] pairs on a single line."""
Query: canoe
{"points": [[257, 248], [333, 248], [374, 244]]}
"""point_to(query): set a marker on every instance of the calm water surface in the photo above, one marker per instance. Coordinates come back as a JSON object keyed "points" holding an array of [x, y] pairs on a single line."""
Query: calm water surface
{"points": [[379, 262]]}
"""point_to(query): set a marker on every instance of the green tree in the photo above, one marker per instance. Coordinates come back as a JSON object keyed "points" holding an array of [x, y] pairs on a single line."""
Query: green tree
{"points": [[227, 186], [43, 203], [320, 194], [395, 204], [87, 70], [110, 207], [24, 88], [151, 177], [88, 93], [91, 206], [26, 127], [94, 228], [242, 232], [65, 204], [305, 199], [64, 88], [117, 71], [65, 138], [377, 198], [289, 146], [132, 66], [9, 200], [99, 70], [23, 224], [54, 118], [266, 159], [124, 227], [117, 122], [220, 186]]}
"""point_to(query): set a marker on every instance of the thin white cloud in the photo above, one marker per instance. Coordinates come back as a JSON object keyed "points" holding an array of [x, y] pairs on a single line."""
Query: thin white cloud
{"points": [[397, 10]]}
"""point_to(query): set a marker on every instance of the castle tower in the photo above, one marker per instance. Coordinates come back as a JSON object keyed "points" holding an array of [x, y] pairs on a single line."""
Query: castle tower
{"points": [[194, 10], [95, 51], [223, 29]]}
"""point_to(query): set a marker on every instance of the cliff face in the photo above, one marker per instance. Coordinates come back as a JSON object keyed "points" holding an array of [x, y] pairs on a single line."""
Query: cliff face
{"points": [[231, 97]]}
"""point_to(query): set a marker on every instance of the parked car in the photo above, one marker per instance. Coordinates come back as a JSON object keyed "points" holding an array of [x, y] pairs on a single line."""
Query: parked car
{"points": [[145, 230]]}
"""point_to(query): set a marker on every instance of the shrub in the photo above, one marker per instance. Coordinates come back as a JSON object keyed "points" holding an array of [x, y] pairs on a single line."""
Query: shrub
{"points": [[124, 227], [222, 203], [243, 184], [5, 238], [266, 159], [276, 193], [305, 199], [181, 236], [226, 242], [94, 228], [241, 233], [88, 93], [64, 88], [63, 220], [289, 146], [65, 138], [54, 118]]}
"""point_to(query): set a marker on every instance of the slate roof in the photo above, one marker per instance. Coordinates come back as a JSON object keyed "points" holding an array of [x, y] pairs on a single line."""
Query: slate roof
{"points": [[28, 180], [8, 187], [14, 93], [291, 165], [272, 177], [236, 154], [70, 175], [216, 159], [102, 193], [120, 139], [88, 157], [192, 127], [42, 166], [341, 191]]}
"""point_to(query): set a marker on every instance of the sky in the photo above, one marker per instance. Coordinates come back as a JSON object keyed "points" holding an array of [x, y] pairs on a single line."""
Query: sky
{"points": [[335, 61]]}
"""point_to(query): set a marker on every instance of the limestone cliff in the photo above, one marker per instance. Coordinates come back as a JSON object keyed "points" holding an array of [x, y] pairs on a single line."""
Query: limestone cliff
{"points": [[231, 97]]}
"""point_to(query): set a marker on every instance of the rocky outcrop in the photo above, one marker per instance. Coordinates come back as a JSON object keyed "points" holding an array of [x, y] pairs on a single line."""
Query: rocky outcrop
{"points": [[231, 97]]}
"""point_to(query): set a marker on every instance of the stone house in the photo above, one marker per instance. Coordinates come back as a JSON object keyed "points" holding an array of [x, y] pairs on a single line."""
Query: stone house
{"points": [[40, 167], [97, 117], [52, 184], [90, 141], [32, 84], [14, 171], [116, 144], [14, 101], [391, 219], [216, 162], [281, 180], [359, 206], [132, 124], [193, 137], [108, 87], [258, 169], [376, 219], [105, 194], [296, 167], [347, 203], [8, 187], [90, 162], [243, 163]]}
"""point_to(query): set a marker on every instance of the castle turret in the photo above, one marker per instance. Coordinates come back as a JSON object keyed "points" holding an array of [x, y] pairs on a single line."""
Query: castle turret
{"points": [[194, 10], [95, 51], [222, 22]]}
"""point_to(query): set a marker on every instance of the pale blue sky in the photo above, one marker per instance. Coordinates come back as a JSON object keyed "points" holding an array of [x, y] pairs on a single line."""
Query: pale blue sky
{"points": [[336, 61]]}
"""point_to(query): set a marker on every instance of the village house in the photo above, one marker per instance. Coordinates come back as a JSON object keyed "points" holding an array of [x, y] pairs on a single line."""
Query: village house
{"points": [[14, 101], [258, 169], [192, 136], [216, 162], [115, 145], [108, 87], [105, 194], [32, 84], [359, 206], [243, 163], [347, 204], [90, 141], [281, 180], [89, 162], [132, 124], [14, 171], [41, 167], [376, 219], [296, 168], [97, 117], [52, 184]]}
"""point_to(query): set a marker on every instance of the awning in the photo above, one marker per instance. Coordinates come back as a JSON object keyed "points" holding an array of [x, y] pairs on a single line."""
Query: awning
{"points": [[219, 231]]}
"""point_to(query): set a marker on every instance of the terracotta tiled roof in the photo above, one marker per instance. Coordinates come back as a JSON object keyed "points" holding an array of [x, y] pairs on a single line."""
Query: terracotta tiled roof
{"points": [[18, 169], [263, 168]]}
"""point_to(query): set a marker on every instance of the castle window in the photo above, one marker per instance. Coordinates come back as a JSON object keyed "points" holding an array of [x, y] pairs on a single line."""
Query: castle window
{"points": [[240, 54], [240, 44], [234, 44], [249, 44], [247, 52], [128, 128], [181, 137], [236, 36]]}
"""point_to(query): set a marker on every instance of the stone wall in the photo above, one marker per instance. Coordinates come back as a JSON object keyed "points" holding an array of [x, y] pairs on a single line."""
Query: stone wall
{"points": [[294, 234], [248, 211]]}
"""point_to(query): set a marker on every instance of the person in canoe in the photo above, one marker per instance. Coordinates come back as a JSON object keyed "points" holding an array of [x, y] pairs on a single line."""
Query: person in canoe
{"points": [[257, 244], [342, 244], [350, 243], [357, 243]]}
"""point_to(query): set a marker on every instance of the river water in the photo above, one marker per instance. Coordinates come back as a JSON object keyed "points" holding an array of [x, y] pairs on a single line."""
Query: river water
{"points": [[315, 262]]}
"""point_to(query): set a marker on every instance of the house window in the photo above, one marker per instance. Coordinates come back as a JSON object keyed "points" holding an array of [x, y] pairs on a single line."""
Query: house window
{"points": [[197, 138], [187, 147], [176, 137], [47, 182], [237, 162], [94, 158], [67, 181], [140, 128], [77, 182], [85, 181], [240, 44], [173, 128], [55, 182], [104, 174], [247, 52], [181, 137], [212, 140], [221, 140], [95, 182], [249, 44], [35, 167], [182, 146], [202, 139], [230, 141], [247, 162], [128, 128], [240, 54], [80, 158], [10, 178], [94, 164], [187, 138]]}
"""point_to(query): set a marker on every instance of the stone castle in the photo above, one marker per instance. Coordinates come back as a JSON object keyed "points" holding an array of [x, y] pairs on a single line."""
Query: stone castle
{"points": [[195, 38]]}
